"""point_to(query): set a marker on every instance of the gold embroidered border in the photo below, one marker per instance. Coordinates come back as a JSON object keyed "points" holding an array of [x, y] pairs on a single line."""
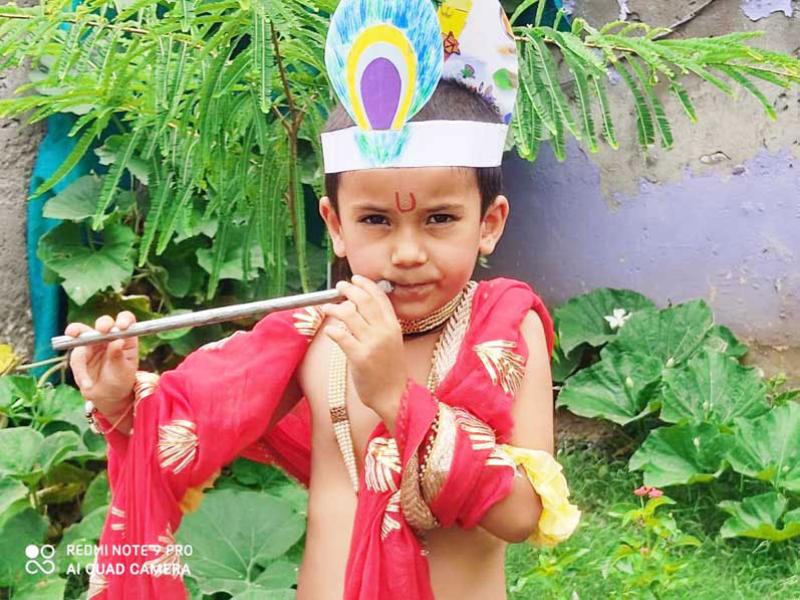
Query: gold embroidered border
{"points": [[380, 464], [437, 463], [416, 512]]}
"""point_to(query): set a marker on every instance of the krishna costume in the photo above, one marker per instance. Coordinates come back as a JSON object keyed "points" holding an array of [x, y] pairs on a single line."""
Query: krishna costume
{"points": [[449, 461]]}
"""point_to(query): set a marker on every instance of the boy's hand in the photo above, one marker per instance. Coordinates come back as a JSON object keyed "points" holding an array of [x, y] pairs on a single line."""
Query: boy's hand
{"points": [[373, 342], [105, 373]]}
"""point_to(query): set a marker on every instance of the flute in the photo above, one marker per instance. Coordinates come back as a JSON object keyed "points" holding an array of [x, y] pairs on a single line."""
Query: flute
{"points": [[205, 317]]}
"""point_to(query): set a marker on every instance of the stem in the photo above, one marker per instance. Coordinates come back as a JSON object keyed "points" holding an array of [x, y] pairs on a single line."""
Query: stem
{"points": [[43, 379], [40, 363]]}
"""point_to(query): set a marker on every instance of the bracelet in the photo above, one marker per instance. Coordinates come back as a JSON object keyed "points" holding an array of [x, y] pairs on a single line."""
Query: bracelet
{"points": [[144, 385], [89, 411]]}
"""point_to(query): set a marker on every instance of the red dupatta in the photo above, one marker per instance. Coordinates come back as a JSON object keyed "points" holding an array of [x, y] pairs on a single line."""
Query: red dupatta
{"points": [[186, 431]]}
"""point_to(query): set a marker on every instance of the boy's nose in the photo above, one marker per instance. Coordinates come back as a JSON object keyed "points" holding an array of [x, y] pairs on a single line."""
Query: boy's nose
{"points": [[408, 252]]}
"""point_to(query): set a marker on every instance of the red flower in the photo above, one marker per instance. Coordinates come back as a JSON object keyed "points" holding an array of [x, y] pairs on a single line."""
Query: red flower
{"points": [[655, 493], [642, 491]]}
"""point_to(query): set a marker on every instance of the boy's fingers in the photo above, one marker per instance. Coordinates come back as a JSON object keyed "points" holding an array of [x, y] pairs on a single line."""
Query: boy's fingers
{"points": [[362, 299], [115, 349], [343, 337], [372, 288], [77, 361], [75, 329], [104, 324], [125, 319], [347, 313]]}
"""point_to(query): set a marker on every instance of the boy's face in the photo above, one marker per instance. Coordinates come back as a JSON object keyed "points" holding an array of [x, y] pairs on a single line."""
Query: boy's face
{"points": [[419, 228]]}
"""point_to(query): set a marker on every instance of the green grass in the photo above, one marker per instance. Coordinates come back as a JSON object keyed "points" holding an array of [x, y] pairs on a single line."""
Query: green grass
{"points": [[718, 569]]}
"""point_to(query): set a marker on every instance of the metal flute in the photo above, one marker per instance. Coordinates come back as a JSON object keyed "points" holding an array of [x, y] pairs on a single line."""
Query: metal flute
{"points": [[205, 317]]}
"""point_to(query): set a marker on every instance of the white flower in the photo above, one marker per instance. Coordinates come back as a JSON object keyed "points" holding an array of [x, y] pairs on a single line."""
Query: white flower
{"points": [[618, 319]]}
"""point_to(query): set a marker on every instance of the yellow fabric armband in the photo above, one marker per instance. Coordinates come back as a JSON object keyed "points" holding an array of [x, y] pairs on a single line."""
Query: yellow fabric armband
{"points": [[559, 518]]}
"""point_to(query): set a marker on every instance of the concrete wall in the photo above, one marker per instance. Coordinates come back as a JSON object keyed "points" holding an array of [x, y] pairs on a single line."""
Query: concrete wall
{"points": [[716, 217], [18, 145]]}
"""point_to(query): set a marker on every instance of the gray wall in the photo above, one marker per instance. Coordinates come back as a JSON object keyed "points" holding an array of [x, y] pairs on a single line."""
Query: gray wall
{"points": [[716, 217], [18, 145]]}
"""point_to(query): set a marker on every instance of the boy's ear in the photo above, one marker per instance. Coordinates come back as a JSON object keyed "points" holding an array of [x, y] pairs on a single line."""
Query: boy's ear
{"points": [[492, 225], [333, 224]]}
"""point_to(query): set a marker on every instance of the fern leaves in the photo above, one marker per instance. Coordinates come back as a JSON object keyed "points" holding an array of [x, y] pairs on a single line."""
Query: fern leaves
{"points": [[649, 67]]}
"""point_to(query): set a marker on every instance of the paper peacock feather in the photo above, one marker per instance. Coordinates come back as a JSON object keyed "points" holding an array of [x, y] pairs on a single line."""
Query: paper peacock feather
{"points": [[384, 60]]}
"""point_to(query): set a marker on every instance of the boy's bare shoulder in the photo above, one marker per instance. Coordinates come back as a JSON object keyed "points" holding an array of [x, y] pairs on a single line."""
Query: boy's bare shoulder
{"points": [[314, 364]]}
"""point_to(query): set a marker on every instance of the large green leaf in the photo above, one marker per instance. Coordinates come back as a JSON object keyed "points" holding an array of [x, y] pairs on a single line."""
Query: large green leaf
{"points": [[582, 319], [621, 388], [97, 494], [768, 448], [712, 387], [681, 454], [77, 202], [760, 517], [671, 334], [88, 269], [231, 547]]}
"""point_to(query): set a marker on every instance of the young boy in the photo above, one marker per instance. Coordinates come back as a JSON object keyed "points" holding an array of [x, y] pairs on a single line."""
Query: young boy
{"points": [[409, 416]]}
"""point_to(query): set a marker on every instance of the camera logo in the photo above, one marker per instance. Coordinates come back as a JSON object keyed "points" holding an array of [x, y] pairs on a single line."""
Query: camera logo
{"points": [[40, 559]]}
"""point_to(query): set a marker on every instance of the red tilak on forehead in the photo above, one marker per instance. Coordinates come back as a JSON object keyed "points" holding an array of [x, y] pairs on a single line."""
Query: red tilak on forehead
{"points": [[405, 207]]}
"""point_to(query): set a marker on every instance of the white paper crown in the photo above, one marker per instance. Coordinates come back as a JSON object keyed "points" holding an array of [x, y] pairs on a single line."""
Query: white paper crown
{"points": [[385, 58]]}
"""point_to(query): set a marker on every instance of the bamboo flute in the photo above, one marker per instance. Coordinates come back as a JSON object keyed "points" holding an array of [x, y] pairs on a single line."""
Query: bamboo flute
{"points": [[204, 317]]}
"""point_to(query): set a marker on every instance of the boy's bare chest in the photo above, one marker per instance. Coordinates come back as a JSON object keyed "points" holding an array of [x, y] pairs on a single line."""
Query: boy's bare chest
{"points": [[314, 379]]}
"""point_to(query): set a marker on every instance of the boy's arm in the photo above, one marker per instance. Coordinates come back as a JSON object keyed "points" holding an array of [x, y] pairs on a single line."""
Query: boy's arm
{"points": [[467, 479], [515, 518]]}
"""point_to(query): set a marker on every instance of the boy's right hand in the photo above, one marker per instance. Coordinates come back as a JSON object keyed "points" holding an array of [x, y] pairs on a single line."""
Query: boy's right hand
{"points": [[106, 373]]}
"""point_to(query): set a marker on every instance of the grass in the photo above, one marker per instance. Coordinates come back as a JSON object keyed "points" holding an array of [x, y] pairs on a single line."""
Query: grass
{"points": [[728, 569]]}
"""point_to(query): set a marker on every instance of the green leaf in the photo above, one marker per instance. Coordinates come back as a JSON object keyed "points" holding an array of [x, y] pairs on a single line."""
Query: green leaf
{"points": [[712, 388], [78, 150], [55, 448], [620, 388], [19, 450], [24, 528], [767, 447], [110, 303], [581, 320], [111, 179], [644, 118], [670, 334], [230, 257], [57, 403], [50, 588], [721, 339], [97, 494], [563, 366], [87, 270], [229, 547], [681, 455], [760, 517], [13, 498], [76, 202]]}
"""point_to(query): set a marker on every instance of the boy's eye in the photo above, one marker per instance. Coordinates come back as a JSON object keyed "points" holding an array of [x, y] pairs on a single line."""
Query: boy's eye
{"points": [[373, 219], [442, 218]]}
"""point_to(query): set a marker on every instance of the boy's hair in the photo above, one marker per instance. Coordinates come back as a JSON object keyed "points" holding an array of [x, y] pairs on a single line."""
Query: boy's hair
{"points": [[450, 102]]}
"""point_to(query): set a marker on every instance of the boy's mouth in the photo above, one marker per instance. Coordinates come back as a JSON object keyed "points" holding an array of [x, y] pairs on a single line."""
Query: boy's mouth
{"points": [[414, 289]]}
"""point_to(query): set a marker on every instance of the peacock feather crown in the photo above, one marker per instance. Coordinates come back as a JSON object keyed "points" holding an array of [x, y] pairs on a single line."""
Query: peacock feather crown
{"points": [[385, 58]]}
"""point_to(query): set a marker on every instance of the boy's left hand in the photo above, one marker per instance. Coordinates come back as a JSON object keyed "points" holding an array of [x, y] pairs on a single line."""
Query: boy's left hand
{"points": [[372, 340]]}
